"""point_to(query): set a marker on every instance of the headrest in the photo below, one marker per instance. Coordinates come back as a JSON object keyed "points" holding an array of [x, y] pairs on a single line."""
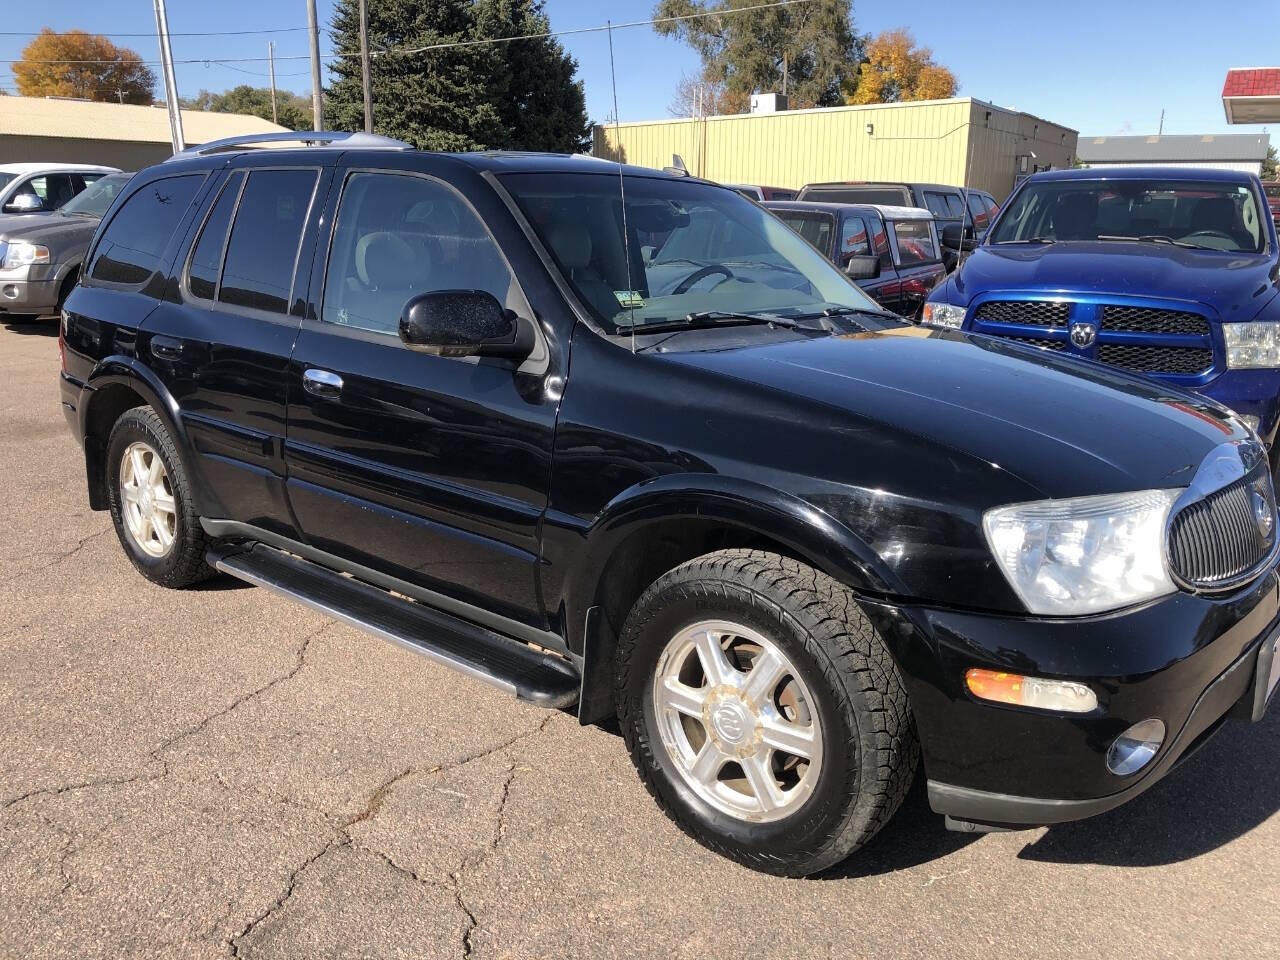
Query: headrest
{"points": [[385, 260], [571, 242]]}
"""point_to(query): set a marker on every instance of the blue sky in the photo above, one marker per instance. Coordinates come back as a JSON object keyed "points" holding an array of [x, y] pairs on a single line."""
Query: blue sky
{"points": [[1100, 67]]}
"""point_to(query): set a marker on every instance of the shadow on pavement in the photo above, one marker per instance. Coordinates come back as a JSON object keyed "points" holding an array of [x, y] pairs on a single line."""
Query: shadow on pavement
{"points": [[45, 327], [1225, 790], [219, 583]]}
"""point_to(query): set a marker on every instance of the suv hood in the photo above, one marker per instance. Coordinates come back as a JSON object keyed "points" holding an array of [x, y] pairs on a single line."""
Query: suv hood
{"points": [[1235, 286], [1054, 425], [43, 227]]}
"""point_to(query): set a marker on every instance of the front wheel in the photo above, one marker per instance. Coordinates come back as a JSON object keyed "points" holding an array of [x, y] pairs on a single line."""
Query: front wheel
{"points": [[763, 711]]}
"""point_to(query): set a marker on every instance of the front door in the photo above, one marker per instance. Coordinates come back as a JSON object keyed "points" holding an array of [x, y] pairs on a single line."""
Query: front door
{"points": [[431, 470]]}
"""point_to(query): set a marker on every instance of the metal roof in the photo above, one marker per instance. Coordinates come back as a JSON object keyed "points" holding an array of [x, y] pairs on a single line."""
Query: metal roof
{"points": [[85, 120], [1190, 148], [1252, 95]]}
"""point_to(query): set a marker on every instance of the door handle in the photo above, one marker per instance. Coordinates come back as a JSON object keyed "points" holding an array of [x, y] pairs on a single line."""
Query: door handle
{"points": [[322, 383], [167, 348]]}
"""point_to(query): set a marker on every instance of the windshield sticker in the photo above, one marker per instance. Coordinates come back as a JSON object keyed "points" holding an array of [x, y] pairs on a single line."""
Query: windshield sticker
{"points": [[629, 298]]}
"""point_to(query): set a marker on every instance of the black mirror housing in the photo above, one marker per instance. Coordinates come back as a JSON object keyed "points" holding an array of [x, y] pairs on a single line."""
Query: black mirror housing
{"points": [[954, 239], [464, 323], [863, 267]]}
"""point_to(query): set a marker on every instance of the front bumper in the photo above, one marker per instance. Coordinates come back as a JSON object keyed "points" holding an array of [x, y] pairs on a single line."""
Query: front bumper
{"points": [[28, 296], [1191, 661]]}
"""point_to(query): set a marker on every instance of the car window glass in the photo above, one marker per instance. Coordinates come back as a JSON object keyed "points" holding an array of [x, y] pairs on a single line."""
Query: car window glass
{"points": [[257, 271], [135, 238], [937, 204], [854, 241], [816, 228], [837, 193], [914, 242], [978, 208], [398, 236], [206, 259]]}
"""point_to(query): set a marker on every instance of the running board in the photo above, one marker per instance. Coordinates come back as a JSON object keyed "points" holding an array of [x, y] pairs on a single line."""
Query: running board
{"points": [[500, 661]]}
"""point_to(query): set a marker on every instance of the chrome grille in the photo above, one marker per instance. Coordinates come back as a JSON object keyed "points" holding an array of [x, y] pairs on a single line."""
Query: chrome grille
{"points": [[1153, 320], [1153, 359], [1038, 342], [1219, 538], [1043, 313]]}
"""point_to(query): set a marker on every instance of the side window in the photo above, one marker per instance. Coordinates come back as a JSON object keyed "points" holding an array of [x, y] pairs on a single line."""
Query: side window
{"points": [[130, 248], [978, 207], [937, 204], [880, 244], [206, 258], [854, 241], [397, 236], [257, 271], [914, 242]]}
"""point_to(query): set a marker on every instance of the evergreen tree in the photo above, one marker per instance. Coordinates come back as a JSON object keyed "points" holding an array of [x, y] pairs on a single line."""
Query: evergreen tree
{"points": [[517, 95]]}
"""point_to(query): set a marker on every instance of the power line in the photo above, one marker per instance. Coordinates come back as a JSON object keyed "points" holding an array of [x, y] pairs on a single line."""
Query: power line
{"points": [[602, 28], [175, 33]]}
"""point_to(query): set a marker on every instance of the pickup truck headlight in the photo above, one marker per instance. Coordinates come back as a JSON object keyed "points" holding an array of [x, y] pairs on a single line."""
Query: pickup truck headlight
{"points": [[19, 253], [943, 315], [1251, 345], [1084, 554]]}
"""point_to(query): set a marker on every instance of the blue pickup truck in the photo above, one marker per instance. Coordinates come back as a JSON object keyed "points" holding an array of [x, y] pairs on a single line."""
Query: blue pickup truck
{"points": [[1172, 273]]}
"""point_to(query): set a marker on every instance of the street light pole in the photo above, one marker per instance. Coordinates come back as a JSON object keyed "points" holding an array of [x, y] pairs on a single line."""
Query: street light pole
{"points": [[170, 82], [317, 104], [271, 68], [364, 66]]}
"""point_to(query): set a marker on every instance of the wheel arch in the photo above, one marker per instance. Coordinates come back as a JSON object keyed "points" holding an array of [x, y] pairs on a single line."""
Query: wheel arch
{"points": [[659, 524]]}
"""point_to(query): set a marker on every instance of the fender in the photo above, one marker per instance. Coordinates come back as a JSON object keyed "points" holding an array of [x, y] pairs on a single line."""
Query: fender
{"points": [[129, 372]]}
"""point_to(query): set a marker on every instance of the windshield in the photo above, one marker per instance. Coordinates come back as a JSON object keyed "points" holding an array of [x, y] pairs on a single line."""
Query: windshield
{"points": [[94, 200], [1213, 216], [693, 248]]}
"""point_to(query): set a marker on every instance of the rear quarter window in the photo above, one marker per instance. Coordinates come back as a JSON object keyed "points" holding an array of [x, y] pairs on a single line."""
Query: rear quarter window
{"points": [[258, 267], [135, 238], [914, 242]]}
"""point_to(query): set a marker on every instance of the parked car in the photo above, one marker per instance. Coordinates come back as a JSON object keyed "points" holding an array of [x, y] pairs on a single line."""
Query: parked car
{"points": [[1272, 189], [793, 544], [1168, 273], [40, 256], [892, 252], [971, 208], [760, 194], [27, 188]]}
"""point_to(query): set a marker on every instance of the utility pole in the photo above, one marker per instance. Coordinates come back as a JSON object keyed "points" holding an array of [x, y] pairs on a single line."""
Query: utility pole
{"points": [[271, 68], [1160, 132], [170, 82], [317, 105], [364, 66]]}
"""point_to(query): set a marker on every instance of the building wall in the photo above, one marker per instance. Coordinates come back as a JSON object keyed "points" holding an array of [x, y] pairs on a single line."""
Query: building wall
{"points": [[928, 141], [124, 154], [1245, 166]]}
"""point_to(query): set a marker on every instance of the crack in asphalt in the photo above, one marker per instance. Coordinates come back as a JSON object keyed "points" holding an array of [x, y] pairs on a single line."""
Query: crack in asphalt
{"points": [[470, 864], [57, 558]]}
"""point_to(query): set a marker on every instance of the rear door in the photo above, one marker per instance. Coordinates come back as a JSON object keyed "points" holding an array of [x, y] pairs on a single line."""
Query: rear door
{"points": [[431, 470], [918, 259], [857, 236], [221, 340]]}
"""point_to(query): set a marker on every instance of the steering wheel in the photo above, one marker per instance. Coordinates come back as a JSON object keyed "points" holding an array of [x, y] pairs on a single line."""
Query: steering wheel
{"points": [[701, 274]]}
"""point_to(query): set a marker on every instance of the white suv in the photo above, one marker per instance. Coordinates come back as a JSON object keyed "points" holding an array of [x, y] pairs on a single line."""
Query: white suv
{"points": [[44, 187]]}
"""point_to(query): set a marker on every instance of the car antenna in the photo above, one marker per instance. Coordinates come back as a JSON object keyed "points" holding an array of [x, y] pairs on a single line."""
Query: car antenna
{"points": [[677, 168], [622, 190]]}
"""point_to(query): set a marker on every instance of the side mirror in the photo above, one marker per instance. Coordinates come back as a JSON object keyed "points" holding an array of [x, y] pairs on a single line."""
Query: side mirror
{"points": [[648, 252], [954, 239], [863, 267], [464, 323], [24, 203]]}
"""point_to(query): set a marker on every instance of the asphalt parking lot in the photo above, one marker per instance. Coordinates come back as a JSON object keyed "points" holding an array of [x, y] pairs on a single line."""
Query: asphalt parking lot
{"points": [[220, 773]]}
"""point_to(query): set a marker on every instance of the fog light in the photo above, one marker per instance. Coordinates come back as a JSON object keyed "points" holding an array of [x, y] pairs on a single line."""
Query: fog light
{"points": [[1135, 747], [1035, 692], [11, 291]]}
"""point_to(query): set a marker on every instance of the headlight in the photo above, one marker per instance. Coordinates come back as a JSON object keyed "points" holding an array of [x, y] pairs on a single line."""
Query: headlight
{"points": [[1254, 344], [1085, 554], [19, 253], [943, 315]]}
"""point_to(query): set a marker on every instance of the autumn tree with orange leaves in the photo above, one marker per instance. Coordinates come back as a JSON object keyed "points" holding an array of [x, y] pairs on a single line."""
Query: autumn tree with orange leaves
{"points": [[896, 69], [80, 64]]}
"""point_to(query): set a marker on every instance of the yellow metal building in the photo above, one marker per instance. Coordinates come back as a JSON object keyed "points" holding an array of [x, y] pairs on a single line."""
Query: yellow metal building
{"points": [[960, 141]]}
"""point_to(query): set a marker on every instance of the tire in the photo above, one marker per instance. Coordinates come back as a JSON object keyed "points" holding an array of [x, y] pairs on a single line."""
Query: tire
{"points": [[851, 699], [182, 563]]}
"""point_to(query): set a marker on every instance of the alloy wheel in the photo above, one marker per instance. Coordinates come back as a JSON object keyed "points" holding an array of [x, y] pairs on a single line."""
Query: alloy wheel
{"points": [[146, 500]]}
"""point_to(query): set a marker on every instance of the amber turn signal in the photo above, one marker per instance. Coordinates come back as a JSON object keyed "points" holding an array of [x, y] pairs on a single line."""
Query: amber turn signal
{"points": [[1020, 691]]}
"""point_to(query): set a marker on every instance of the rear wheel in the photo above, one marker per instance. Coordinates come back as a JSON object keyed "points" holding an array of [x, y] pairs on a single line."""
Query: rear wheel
{"points": [[150, 502], [763, 711]]}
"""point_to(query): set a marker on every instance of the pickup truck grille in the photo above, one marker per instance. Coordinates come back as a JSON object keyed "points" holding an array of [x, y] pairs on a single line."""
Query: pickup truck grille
{"points": [[1219, 539], [1153, 320], [1152, 340], [1045, 313], [1151, 359]]}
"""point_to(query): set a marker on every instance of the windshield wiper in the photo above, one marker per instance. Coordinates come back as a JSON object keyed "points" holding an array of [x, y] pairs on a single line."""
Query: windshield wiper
{"points": [[1001, 243], [1154, 238], [703, 319]]}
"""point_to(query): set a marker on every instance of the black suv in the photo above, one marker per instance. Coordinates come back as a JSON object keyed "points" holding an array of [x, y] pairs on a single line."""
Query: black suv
{"points": [[794, 544]]}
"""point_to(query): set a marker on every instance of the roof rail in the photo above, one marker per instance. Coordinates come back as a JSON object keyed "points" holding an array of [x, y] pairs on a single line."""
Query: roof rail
{"points": [[325, 139]]}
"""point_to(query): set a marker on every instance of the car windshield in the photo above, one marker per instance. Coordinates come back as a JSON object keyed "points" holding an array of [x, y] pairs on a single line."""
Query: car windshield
{"points": [[693, 249], [94, 200], [1205, 214]]}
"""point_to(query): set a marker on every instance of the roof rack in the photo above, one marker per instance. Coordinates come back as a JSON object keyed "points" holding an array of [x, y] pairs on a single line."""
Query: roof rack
{"points": [[322, 139]]}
